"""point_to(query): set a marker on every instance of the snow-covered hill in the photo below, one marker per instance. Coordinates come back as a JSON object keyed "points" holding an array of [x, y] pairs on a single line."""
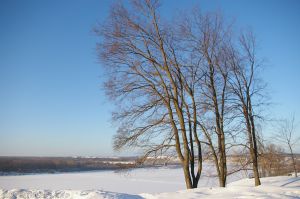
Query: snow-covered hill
{"points": [[142, 183]]}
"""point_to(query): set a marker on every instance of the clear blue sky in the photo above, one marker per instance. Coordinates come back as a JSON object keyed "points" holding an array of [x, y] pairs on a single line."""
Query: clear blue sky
{"points": [[51, 102]]}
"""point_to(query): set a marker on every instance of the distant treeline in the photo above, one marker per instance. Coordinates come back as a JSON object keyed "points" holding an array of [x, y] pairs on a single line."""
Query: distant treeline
{"points": [[23, 165]]}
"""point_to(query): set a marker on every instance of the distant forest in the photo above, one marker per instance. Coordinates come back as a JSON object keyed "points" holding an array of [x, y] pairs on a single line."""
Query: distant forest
{"points": [[25, 165]]}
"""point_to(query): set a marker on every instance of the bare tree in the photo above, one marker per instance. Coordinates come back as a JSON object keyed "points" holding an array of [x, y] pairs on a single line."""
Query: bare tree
{"points": [[248, 90], [286, 135], [153, 87], [208, 37]]}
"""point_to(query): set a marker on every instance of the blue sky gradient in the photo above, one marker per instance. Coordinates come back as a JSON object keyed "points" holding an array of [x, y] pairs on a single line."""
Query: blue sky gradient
{"points": [[51, 102]]}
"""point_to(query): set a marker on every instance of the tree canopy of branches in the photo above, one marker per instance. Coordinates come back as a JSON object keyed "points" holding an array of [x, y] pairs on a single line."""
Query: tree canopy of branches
{"points": [[177, 84]]}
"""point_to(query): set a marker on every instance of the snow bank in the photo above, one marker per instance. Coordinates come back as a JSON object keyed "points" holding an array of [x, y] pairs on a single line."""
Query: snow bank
{"points": [[273, 187], [48, 194]]}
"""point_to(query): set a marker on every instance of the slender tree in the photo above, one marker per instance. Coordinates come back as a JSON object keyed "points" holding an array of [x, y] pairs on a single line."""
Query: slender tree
{"points": [[247, 88], [286, 135], [207, 35]]}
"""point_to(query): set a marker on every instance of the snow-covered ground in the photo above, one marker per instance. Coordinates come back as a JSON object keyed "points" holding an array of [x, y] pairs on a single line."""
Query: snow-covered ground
{"points": [[134, 181], [142, 183], [272, 187]]}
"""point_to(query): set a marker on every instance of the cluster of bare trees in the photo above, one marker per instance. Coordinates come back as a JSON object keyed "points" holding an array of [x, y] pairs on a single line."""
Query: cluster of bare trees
{"points": [[181, 85], [272, 160], [275, 161]]}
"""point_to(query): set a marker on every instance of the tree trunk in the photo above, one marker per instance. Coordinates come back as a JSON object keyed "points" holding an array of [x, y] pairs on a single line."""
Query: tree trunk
{"points": [[255, 168], [255, 153], [222, 181], [222, 163], [294, 161], [187, 176]]}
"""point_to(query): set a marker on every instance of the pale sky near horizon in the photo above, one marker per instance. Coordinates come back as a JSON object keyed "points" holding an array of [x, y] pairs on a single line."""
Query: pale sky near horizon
{"points": [[51, 102]]}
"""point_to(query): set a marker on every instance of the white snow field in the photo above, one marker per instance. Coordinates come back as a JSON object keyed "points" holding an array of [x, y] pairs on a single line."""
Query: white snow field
{"points": [[149, 183], [281, 187]]}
